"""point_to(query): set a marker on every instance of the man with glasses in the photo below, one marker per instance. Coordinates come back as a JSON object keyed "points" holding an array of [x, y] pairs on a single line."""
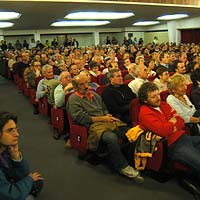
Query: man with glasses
{"points": [[16, 182], [63, 88]]}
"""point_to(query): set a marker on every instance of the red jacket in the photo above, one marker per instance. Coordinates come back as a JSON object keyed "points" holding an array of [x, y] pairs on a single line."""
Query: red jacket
{"points": [[153, 120]]}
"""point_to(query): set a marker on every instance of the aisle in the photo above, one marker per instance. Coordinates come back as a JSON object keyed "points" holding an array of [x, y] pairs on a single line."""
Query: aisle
{"points": [[66, 177]]}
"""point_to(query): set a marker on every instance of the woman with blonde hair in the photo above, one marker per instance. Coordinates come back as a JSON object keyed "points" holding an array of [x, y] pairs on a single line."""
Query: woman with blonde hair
{"points": [[181, 103]]}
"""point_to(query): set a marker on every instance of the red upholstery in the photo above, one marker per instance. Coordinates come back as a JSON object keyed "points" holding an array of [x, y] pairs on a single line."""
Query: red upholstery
{"points": [[25, 89], [189, 88], [124, 72], [57, 118], [134, 111], [156, 162], [78, 136], [100, 79], [164, 95], [151, 78], [32, 95], [126, 82], [43, 106], [100, 89], [94, 79]]}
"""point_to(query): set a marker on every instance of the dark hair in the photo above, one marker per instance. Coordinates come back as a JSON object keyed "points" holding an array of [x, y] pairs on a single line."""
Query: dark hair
{"points": [[162, 55], [190, 66], [144, 89], [112, 72], [160, 71], [5, 117], [195, 76], [93, 64]]}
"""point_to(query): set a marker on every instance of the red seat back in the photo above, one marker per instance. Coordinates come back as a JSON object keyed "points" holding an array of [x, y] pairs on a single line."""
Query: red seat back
{"points": [[189, 88], [100, 89], [164, 95], [134, 111], [43, 106], [57, 118]]}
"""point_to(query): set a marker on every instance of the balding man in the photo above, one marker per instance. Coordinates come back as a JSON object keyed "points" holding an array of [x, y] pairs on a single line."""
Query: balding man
{"points": [[141, 75], [63, 88], [87, 108]]}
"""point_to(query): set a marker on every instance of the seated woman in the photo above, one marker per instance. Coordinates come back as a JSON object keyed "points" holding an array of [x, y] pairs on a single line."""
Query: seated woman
{"points": [[92, 85], [195, 92], [181, 103]]}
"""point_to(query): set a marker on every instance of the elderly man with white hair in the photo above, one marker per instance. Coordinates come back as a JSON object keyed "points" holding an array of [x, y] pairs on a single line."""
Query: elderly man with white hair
{"points": [[141, 75]]}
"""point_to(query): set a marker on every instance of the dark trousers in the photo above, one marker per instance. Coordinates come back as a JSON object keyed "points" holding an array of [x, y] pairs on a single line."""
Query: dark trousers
{"points": [[186, 150], [110, 139]]}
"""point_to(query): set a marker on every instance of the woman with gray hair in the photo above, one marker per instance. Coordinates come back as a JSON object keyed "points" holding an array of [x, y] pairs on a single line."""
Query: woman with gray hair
{"points": [[181, 103]]}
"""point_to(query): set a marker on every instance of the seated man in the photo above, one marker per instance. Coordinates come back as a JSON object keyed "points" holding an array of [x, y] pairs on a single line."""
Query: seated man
{"points": [[87, 108], [42, 90], [117, 96], [161, 119], [141, 75], [63, 88], [16, 182]]}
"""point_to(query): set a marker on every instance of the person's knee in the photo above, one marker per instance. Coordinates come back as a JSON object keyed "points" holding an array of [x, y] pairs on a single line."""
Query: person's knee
{"points": [[109, 137]]}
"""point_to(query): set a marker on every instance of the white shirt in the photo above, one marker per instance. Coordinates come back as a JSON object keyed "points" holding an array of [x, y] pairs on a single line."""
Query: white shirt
{"points": [[136, 84]]}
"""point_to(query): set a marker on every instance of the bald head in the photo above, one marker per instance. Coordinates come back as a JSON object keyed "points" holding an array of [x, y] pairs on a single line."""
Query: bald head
{"points": [[65, 78], [80, 83]]}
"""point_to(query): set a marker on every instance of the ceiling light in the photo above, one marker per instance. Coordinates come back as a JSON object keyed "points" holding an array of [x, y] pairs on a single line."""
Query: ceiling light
{"points": [[80, 23], [99, 15], [146, 23], [6, 24], [174, 16], [9, 15]]}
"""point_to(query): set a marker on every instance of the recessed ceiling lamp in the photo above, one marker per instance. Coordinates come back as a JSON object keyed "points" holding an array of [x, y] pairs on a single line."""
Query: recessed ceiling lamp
{"points": [[6, 24], [99, 15], [145, 23], [80, 23], [173, 16], [9, 15]]}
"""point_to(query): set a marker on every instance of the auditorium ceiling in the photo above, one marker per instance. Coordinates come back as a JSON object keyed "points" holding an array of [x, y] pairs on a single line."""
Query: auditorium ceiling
{"points": [[40, 14]]}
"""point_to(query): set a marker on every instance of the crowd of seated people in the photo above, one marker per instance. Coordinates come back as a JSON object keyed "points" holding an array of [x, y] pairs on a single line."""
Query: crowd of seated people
{"points": [[60, 64]]}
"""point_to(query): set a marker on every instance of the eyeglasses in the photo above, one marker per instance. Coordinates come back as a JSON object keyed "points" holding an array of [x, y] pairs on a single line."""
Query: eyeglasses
{"points": [[11, 131]]}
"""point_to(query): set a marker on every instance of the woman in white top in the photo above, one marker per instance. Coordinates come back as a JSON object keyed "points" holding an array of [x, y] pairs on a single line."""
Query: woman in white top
{"points": [[179, 100]]}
